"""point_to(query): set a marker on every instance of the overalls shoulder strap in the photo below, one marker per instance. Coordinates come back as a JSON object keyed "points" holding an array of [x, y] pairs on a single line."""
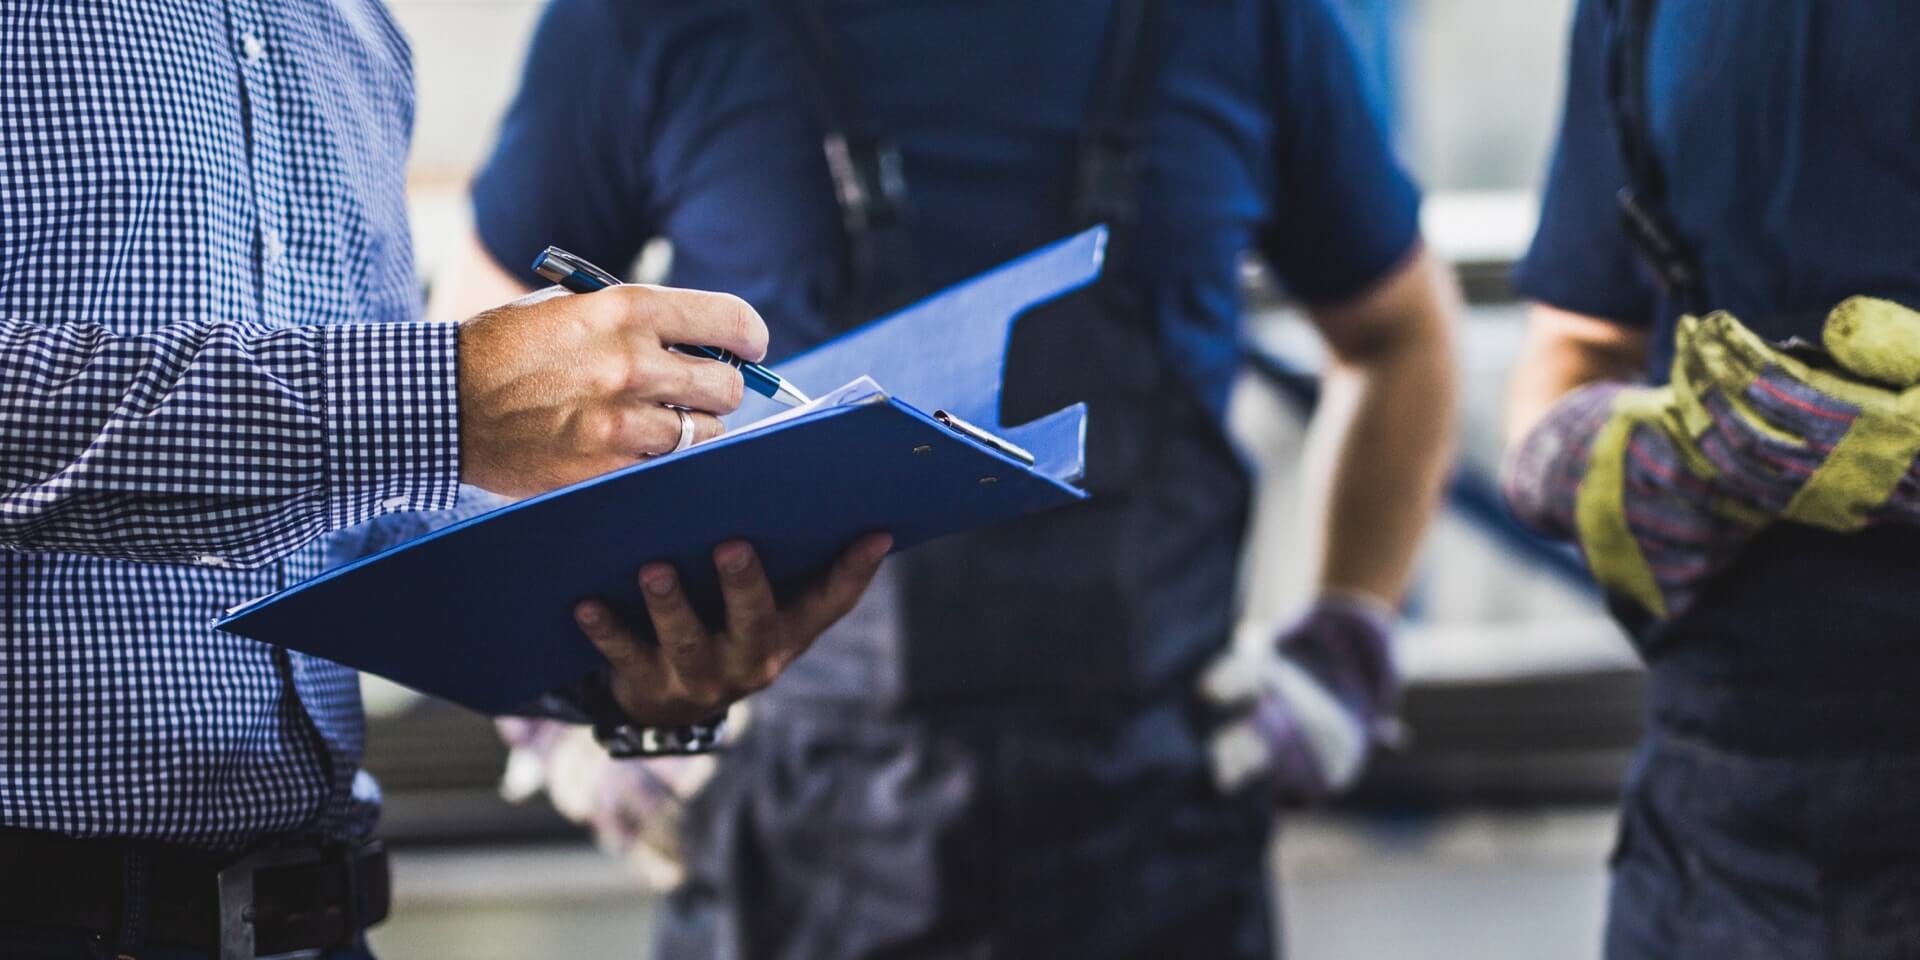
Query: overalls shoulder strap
{"points": [[1643, 198], [869, 179], [1107, 168]]}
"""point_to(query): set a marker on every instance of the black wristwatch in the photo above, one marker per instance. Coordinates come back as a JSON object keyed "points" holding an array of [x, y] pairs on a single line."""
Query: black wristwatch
{"points": [[625, 739], [631, 741]]}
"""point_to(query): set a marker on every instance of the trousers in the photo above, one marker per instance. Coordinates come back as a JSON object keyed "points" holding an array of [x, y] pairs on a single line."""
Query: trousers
{"points": [[1798, 844], [34, 943], [1006, 834]]}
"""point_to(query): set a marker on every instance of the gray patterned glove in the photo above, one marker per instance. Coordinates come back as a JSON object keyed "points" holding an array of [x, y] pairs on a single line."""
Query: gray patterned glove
{"points": [[1308, 713]]}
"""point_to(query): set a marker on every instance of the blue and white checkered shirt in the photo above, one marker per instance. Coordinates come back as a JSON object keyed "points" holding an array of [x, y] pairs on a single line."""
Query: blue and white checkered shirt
{"points": [[209, 357]]}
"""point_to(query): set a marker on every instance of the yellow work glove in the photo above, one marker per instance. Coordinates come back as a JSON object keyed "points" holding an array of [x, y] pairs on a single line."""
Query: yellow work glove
{"points": [[1827, 441], [1661, 487]]}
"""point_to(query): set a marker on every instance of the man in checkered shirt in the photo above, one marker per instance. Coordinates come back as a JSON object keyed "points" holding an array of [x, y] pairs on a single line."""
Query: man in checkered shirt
{"points": [[212, 361]]}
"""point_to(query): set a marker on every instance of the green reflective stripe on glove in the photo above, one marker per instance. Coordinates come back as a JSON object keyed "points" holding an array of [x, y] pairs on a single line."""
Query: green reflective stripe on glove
{"points": [[1861, 474], [1600, 510]]}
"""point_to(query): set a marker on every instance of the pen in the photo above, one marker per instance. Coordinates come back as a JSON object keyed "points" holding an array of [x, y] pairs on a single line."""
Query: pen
{"points": [[579, 276]]}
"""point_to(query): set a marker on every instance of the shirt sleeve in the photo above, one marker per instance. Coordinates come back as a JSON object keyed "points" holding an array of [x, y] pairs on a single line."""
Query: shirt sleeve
{"points": [[568, 166], [1581, 259], [1347, 213], [228, 445]]}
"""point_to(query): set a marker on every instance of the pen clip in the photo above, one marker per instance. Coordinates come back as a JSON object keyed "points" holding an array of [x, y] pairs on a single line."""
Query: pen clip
{"points": [[982, 437], [569, 263]]}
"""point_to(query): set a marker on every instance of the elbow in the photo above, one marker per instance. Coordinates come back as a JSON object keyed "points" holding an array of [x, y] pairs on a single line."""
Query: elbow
{"points": [[1404, 343]]}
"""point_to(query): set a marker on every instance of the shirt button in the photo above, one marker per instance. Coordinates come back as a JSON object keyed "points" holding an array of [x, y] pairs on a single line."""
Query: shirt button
{"points": [[252, 47], [272, 248], [394, 503]]}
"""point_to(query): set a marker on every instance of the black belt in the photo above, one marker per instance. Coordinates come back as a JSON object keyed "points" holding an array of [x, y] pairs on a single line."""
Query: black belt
{"points": [[279, 901]]}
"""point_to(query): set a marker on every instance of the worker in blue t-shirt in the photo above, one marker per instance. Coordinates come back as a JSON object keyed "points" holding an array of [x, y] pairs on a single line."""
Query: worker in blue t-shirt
{"points": [[1007, 751], [1730, 176]]}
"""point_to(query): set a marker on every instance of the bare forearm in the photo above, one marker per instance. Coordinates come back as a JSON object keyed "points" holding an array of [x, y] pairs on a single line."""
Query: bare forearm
{"points": [[1390, 417], [1563, 352], [1552, 423]]}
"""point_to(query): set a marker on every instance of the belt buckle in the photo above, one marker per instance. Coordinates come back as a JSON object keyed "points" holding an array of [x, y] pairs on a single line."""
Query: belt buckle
{"points": [[237, 917]]}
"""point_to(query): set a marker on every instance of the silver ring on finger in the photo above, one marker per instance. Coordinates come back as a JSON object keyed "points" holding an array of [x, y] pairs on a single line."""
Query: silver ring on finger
{"points": [[686, 431]]}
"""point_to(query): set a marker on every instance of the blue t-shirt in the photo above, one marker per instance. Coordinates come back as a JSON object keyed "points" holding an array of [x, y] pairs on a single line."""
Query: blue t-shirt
{"points": [[1786, 135], [688, 120]]}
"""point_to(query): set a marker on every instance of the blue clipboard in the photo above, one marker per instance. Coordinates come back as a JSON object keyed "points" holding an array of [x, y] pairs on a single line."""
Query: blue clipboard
{"points": [[480, 613]]}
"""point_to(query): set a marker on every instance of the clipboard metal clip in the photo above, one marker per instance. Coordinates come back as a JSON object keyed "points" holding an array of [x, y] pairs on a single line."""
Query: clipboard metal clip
{"points": [[982, 437]]}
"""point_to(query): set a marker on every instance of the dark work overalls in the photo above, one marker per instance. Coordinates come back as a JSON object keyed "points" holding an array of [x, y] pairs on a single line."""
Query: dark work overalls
{"points": [[1774, 809], [1002, 756]]}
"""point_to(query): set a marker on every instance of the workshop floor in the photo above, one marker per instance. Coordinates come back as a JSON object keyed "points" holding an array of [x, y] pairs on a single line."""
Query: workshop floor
{"points": [[1476, 887]]}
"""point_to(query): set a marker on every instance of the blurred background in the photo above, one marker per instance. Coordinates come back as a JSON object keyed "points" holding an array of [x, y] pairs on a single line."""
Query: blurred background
{"points": [[1485, 838]]}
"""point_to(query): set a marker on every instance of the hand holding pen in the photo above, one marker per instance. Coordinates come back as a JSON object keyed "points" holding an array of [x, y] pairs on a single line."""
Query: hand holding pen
{"points": [[556, 389], [579, 276]]}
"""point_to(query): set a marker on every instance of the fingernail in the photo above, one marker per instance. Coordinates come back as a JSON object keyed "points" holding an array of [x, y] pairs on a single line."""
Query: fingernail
{"points": [[657, 580], [733, 557], [879, 547], [587, 613]]}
